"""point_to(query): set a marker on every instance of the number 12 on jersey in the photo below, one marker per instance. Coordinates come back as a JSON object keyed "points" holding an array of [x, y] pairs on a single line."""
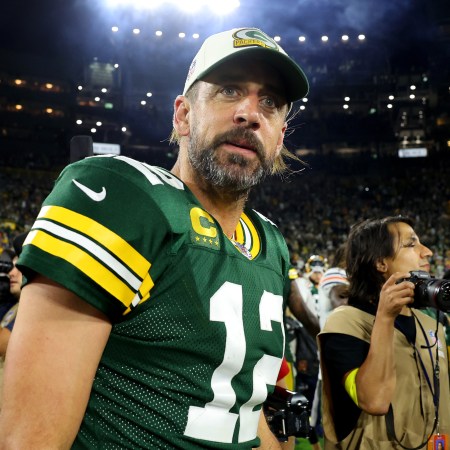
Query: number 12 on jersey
{"points": [[214, 421]]}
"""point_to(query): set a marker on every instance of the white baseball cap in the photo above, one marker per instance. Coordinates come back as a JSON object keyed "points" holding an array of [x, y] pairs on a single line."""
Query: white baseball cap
{"points": [[221, 47]]}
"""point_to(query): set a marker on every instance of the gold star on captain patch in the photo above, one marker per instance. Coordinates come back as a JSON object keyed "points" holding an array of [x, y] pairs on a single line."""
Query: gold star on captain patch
{"points": [[210, 241], [216, 242], [204, 239], [197, 238]]}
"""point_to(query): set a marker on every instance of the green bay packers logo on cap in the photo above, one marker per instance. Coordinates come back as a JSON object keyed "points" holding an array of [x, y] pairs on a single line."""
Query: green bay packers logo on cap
{"points": [[251, 36]]}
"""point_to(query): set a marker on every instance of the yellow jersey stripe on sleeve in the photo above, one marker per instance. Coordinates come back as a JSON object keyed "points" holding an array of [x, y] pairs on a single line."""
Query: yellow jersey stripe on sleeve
{"points": [[92, 248], [100, 234], [146, 287], [84, 262]]}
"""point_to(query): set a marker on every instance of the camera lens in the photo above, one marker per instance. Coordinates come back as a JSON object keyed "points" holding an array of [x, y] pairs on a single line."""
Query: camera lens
{"points": [[435, 293]]}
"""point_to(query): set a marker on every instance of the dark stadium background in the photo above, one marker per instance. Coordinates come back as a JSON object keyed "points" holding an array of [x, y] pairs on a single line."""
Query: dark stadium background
{"points": [[50, 48]]}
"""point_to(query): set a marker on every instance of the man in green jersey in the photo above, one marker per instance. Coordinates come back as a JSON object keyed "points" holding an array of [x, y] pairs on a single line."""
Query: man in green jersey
{"points": [[152, 316]]}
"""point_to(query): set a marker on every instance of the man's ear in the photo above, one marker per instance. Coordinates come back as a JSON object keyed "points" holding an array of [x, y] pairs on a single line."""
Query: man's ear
{"points": [[181, 115], [281, 138], [382, 266]]}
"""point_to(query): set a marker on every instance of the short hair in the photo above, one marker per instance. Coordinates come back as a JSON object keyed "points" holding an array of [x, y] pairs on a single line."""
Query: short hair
{"points": [[368, 242], [280, 165]]}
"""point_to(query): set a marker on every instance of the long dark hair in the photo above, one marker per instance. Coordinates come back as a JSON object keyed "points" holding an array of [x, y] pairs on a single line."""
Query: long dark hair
{"points": [[368, 242]]}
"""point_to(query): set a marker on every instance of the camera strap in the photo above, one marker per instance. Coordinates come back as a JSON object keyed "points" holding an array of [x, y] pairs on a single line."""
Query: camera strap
{"points": [[435, 389]]}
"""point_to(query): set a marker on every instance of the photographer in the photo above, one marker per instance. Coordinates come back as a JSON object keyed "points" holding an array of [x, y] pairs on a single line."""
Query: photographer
{"points": [[385, 376]]}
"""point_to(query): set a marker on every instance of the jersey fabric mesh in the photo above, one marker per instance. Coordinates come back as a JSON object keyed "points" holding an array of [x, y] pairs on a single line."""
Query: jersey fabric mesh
{"points": [[190, 312]]}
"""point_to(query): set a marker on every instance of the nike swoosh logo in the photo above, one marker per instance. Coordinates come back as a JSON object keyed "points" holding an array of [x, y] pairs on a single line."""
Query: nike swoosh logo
{"points": [[96, 196]]}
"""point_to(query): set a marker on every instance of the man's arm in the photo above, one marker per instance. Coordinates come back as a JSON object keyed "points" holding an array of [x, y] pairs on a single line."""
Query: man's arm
{"points": [[53, 354], [301, 312], [376, 378]]}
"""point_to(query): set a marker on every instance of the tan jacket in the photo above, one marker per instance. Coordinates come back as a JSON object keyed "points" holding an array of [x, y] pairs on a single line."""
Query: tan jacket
{"points": [[412, 404]]}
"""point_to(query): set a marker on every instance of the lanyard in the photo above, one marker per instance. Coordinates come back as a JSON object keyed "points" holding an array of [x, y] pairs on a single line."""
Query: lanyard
{"points": [[434, 392]]}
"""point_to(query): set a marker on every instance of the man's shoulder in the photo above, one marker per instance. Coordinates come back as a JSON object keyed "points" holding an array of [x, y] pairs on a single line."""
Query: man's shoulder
{"points": [[122, 169], [117, 186]]}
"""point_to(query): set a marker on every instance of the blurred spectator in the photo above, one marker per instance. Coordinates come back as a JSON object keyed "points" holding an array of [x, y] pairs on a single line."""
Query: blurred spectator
{"points": [[333, 286], [9, 318]]}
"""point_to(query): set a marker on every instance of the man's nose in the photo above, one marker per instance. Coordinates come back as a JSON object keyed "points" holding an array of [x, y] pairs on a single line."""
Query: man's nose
{"points": [[248, 113]]}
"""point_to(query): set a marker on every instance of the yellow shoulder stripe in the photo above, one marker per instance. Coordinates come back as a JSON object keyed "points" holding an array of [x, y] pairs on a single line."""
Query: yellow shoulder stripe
{"points": [[84, 262], [100, 234], [104, 256]]}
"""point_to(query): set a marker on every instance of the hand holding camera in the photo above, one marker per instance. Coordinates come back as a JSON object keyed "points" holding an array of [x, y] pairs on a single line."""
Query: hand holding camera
{"points": [[429, 291]]}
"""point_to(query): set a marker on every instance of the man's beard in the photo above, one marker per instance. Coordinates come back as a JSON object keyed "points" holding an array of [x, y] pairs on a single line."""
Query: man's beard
{"points": [[233, 173]]}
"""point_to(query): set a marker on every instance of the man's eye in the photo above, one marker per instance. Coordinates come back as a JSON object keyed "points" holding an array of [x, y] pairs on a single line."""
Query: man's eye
{"points": [[270, 102], [229, 91]]}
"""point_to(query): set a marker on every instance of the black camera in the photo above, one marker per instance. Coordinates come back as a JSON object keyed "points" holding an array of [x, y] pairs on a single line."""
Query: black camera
{"points": [[287, 414], [429, 291]]}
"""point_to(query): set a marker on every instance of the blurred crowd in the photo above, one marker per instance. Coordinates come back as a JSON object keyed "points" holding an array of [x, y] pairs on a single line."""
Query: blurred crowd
{"points": [[314, 208]]}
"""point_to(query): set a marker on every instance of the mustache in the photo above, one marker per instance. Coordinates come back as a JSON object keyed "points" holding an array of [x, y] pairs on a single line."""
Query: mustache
{"points": [[241, 137]]}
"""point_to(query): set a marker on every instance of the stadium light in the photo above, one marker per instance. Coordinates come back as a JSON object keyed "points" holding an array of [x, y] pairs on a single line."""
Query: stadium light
{"points": [[361, 37], [302, 38], [277, 38], [324, 38], [219, 7], [79, 122], [345, 38], [114, 29], [181, 35]]}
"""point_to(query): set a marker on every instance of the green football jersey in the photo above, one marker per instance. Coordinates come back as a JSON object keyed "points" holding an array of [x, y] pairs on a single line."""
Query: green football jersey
{"points": [[197, 337]]}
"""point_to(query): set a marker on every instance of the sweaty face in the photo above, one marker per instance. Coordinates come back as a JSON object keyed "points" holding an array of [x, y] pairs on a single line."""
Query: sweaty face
{"points": [[237, 124], [410, 254]]}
